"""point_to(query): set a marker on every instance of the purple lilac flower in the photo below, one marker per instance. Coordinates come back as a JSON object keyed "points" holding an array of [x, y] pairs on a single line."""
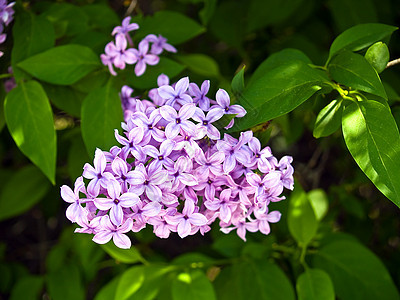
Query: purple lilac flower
{"points": [[159, 44], [119, 54], [199, 94], [6, 17], [173, 171], [223, 103], [108, 231], [144, 58], [176, 95], [178, 120], [125, 29]]}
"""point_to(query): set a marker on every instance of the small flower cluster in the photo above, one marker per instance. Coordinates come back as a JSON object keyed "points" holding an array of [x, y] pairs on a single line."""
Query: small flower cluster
{"points": [[6, 16], [118, 55], [173, 171]]}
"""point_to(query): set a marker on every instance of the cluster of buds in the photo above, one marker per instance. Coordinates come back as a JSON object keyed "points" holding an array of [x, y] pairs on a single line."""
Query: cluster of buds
{"points": [[118, 55], [6, 16], [173, 171]]}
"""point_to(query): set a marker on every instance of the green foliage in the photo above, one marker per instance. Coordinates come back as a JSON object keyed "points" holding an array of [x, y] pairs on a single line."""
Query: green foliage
{"points": [[194, 285], [315, 284], [378, 56], [373, 139], [29, 119], [63, 65], [347, 261], [101, 114], [72, 107], [15, 198]]}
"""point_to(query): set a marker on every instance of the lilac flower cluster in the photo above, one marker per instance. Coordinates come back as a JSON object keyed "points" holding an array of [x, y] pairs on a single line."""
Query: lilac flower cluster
{"points": [[6, 16], [118, 55], [173, 171]]}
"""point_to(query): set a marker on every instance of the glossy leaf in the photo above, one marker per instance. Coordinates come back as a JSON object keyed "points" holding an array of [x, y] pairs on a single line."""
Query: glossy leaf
{"points": [[315, 284], [62, 65], [31, 34], [378, 56], [176, 27], [101, 114], [354, 71], [250, 279], [373, 139], [237, 84], [149, 78], [355, 272], [194, 285], [141, 282], [277, 59], [319, 202], [200, 64], [126, 256], [29, 119], [277, 92], [17, 198], [329, 119], [301, 218], [360, 37]]}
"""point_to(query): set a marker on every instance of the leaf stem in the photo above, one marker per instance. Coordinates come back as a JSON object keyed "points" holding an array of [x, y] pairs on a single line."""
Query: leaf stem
{"points": [[6, 75]]}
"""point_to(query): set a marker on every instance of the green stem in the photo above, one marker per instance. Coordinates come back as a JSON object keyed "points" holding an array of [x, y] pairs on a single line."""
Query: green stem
{"points": [[6, 75]]}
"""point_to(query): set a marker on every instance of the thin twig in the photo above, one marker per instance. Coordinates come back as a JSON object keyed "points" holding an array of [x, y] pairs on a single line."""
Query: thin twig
{"points": [[393, 62]]}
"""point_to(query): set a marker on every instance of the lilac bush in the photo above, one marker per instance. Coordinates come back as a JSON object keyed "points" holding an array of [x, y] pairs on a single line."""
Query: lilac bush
{"points": [[173, 171]]}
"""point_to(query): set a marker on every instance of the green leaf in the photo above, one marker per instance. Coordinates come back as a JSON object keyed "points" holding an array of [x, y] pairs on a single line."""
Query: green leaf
{"points": [[373, 139], [208, 10], [354, 71], [65, 283], [29, 119], [356, 272], [62, 65], [108, 291], [101, 16], [277, 92], [302, 221], [72, 19], [16, 198], [149, 78], [315, 284], [65, 98], [277, 59], [141, 282], [378, 56], [101, 114], [200, 64], [27, 288], [77, 155], [319, 202], [126, 256], [248, 279], [176, 27], [31, 34], [329, 119], [194, 285], [237, 83], [360, 37]]}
